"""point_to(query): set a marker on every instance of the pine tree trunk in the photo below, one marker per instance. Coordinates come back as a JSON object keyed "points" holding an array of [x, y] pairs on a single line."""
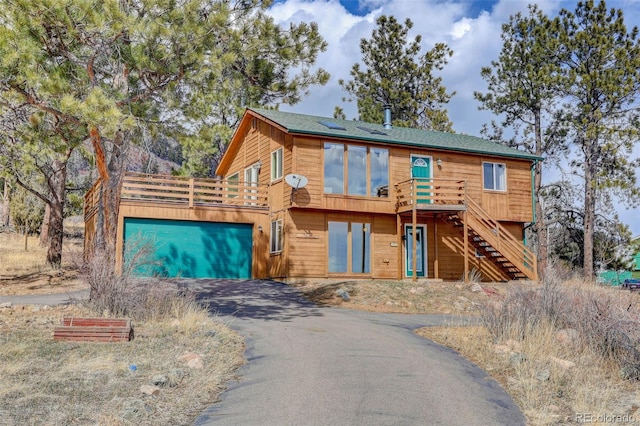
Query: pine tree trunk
{"points": [[4, 206], [541, 226], [589, 213], [111, 174], [44, 228], [56, 185]]}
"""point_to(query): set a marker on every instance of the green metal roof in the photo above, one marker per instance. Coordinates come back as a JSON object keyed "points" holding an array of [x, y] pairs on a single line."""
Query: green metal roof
{"points": [[359, 130]]}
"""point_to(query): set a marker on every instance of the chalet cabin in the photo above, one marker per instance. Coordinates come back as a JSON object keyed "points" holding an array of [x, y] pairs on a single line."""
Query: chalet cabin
{"points": [[302, 196]]}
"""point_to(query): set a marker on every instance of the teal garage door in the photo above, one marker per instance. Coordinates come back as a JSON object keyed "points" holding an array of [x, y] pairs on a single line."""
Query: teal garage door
{"points": [[188, 249]]}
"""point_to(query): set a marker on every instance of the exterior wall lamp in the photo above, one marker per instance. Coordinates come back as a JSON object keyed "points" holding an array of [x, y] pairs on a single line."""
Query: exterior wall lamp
{"points": [[439, 163], [260, 229]]}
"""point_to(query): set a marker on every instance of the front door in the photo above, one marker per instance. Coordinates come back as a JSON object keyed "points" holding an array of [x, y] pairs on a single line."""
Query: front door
{"points": [[421, 171], [420, 250]]}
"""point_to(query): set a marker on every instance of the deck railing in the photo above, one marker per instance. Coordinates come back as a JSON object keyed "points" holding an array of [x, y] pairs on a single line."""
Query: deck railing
{"points": [[438, 192], [192, 191], [182, 191], [502, 240], [91, 199]]}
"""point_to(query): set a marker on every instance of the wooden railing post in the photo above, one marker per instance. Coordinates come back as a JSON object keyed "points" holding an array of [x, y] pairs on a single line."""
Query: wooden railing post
{"points": [[191, 191]]}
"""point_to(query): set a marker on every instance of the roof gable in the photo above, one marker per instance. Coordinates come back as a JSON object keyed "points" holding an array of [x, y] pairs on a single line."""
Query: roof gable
{"points": [[303, 124]]}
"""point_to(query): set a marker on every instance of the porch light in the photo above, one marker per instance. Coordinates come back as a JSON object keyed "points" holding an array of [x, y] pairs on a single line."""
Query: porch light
{"points": [[260, 229], [439, 162]]}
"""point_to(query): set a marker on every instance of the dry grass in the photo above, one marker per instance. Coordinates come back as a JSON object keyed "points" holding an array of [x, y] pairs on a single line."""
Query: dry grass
{"points": [[556, 380], [49, 382], [26, 272]]}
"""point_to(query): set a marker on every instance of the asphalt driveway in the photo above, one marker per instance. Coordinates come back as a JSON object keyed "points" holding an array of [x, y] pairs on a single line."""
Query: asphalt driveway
{"points": [[309, 365]]}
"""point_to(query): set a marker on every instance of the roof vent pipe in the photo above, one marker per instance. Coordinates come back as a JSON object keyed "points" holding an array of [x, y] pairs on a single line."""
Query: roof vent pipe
{"points": [[387, 116]]}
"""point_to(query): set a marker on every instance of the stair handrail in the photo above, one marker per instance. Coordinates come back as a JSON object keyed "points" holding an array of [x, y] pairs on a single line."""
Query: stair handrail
{"points": [[506, 241]]}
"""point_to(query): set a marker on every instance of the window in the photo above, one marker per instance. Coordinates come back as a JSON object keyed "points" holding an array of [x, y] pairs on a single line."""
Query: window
{"points": [[350, 247], [333, 168], [357, 169], [379, 172], [494, 176], [232, 186], [276, 164], [366, 170], [275, 237]]}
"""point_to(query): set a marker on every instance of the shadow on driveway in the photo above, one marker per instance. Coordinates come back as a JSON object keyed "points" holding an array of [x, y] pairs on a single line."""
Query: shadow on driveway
{"points": [[255, 299]]}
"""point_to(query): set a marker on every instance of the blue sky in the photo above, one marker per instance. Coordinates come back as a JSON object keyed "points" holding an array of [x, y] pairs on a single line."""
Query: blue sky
{"points": [[470, 28]]}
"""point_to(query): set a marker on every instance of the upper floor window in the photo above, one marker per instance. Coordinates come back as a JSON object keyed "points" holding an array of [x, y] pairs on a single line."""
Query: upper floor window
{"points": [[276, 164], [355, 170], [494, 176]]}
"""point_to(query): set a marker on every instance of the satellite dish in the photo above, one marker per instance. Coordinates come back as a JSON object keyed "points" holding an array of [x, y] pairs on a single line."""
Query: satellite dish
{"points": [[296, 181]]}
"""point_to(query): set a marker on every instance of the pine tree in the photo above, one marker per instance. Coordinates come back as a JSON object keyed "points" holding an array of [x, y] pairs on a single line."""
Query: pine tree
{"points": [[108, 71], [395, 74], [601, 66], [523, 87]]}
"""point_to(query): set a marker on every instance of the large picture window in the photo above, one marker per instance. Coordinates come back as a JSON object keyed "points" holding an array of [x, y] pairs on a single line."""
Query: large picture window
{"points": [[350, 247], [494, 176], [366, 170]]}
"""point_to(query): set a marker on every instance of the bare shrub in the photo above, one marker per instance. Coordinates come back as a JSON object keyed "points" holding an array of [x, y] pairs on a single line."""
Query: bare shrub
{"points": [[124, 294], [606, 320]]}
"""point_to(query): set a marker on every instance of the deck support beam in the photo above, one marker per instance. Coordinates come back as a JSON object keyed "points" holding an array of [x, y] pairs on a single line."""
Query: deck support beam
{"points": [[436, 266], [414, 246], [465, 246]]}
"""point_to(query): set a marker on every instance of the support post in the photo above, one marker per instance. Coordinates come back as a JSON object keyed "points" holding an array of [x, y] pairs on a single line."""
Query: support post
{"points": [[436, 266], [465, 246], [399, 243], [414, 244], [191, 191]]}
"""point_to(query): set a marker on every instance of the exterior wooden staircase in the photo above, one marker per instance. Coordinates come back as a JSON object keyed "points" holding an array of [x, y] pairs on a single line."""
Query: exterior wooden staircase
{"points": [[486, 234], [496, 243]]}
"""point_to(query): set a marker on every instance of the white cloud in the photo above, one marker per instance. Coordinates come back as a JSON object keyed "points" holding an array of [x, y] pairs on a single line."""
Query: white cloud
{"points": [[474, 38]]}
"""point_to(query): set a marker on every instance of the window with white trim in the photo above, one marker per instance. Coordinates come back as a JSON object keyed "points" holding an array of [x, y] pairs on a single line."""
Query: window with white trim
{"points": [[276, 164], [494, 176], [275, 237]]}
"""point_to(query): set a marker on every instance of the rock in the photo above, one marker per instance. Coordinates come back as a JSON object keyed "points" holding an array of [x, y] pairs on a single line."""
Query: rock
{"points": [[417, 290], [543, 375], [517, 358], [175, 376], [175, 323], [150, 390], [160, 380], [476, 288], [192, 360], [35, 309], [567, 336], [343, 293], [6, 305], [562, 363]]}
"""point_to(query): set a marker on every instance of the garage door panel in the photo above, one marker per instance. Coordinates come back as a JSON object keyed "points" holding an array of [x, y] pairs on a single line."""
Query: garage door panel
{"points": [[191, 249]]}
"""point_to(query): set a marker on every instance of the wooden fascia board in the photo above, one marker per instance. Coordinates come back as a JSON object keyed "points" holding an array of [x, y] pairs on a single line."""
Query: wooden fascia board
{"points": [[238, 138]]}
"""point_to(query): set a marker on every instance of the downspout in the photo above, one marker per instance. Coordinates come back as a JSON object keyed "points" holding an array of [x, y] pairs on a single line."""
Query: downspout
{"points": [[533, 202]]}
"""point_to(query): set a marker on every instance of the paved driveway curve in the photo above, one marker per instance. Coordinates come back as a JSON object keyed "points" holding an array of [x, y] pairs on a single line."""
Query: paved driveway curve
{"points": [[309, 365]]}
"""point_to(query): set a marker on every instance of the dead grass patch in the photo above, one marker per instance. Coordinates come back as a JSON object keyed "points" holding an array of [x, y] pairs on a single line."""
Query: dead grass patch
{"points": [[26, 272], [559, 351], [54, 382]]}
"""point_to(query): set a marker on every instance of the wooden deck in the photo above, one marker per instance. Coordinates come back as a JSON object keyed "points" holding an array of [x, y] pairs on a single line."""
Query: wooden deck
{"points": [[182, 191]]}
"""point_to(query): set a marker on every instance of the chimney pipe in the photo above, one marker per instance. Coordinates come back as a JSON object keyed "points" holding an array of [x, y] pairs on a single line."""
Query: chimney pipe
{"points": [[387, 116]]}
